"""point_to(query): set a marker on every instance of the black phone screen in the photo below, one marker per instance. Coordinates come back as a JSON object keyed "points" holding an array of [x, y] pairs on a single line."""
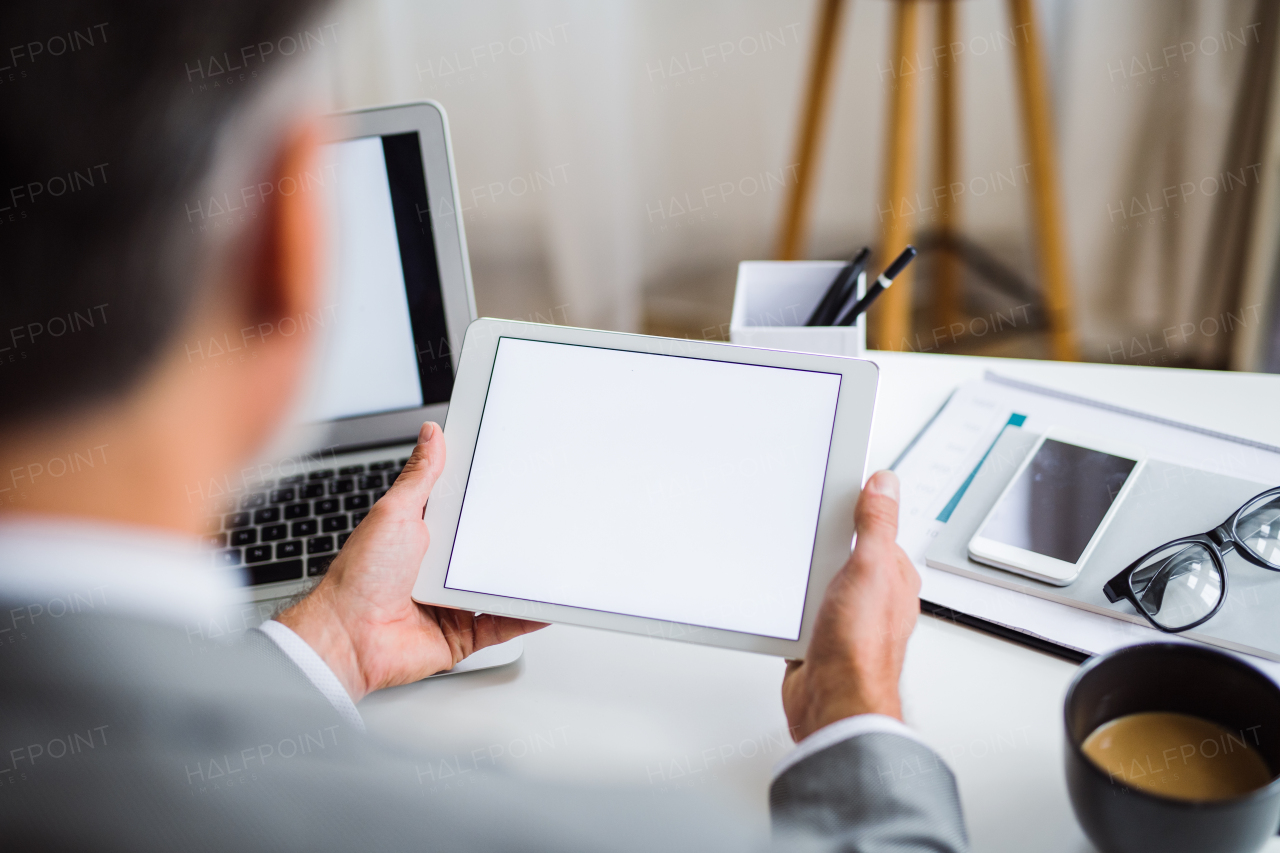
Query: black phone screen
{"points": [[1058, 500]]}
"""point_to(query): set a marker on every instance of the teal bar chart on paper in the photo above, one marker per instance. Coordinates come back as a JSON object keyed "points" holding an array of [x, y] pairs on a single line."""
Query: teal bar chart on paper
{"points": [[1015, 420]]}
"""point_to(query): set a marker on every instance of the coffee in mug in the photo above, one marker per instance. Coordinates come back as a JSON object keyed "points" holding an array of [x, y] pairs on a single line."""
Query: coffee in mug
{"points": [[1178, 755]]}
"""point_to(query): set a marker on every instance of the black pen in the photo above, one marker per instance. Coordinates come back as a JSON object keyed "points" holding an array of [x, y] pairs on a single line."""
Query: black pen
{"points": [[880, 286], [838, 293]]}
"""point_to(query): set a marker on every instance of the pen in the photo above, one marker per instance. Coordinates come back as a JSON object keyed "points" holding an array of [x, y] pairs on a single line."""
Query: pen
{"points": [[838, 293], [880, 286]]}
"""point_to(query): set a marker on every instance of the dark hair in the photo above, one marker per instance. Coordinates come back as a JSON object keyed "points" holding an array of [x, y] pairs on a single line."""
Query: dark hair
{"points": [[109, 116]]}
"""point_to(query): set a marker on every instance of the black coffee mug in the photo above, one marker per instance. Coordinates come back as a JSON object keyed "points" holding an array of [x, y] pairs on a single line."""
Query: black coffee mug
{"points": [[1181, 678]]}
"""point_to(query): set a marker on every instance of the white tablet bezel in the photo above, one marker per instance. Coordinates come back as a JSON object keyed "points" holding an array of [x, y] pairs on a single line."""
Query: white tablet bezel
{"points": [[1040, 567], [846, 464]]}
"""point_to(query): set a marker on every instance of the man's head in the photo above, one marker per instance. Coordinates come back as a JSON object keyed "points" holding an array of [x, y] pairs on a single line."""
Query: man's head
{"points": [[128, 131]]}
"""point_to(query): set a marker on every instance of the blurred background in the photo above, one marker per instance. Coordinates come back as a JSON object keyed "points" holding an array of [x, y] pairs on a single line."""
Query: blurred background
{"points": [[616, 160]]}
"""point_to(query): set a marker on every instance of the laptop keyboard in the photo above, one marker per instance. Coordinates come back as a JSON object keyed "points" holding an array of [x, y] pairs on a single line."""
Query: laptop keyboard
{"points": [[292, 528]]}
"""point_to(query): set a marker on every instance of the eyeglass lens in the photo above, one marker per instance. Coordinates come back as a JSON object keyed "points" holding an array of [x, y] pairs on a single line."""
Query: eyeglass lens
{"points": [[1178, 586], [1258, 529]]}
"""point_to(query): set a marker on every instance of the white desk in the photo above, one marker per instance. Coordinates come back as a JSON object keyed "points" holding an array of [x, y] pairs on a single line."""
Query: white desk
{"points": [[601, 707]]}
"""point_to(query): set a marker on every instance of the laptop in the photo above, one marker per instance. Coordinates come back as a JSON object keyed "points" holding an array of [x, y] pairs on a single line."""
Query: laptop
{"points": [[397, 305]]}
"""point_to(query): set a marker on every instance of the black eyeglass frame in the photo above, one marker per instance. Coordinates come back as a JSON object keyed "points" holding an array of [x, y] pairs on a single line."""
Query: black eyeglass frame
{"points": [[1219, 542]]}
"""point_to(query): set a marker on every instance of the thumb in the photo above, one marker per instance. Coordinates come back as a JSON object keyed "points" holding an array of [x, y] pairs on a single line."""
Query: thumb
{"points": [[876, 516], [423, 468]]}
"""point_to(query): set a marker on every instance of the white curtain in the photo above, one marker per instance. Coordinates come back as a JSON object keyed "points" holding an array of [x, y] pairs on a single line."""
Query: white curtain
{"points": [[1147, 113]]}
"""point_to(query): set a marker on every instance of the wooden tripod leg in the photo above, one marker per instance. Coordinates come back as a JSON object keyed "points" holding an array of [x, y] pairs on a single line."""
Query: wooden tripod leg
{"points": [[890, 317], [795, 223], [948, 299], [1046, 197]]}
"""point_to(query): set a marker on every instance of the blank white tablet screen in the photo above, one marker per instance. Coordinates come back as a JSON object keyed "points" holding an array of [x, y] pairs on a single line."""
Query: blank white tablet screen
{"points": [[679, 489]]}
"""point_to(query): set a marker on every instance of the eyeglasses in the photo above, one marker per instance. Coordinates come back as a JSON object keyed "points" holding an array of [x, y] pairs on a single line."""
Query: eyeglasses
{"points": [[1184, 582]]}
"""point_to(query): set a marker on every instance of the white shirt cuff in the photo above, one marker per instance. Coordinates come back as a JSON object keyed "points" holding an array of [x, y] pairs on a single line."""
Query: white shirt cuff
{"points": [[315, 669], [842, 730]]}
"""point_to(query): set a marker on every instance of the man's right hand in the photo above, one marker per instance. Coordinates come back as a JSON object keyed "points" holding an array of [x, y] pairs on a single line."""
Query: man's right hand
{"points": [[860, 637]]}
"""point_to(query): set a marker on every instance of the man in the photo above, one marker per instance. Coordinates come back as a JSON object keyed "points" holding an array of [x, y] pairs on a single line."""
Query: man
{"points": [[112, 717]]}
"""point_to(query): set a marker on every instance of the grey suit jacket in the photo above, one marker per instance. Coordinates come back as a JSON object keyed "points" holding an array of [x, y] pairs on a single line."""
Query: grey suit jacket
{"points": [[123, 734]]}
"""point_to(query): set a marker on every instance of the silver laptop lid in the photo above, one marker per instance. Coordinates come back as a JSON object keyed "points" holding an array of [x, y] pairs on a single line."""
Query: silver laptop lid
{"points": [[401, 294]]}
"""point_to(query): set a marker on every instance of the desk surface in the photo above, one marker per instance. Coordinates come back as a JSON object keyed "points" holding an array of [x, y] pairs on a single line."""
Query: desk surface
{"points": [[601, 707]]}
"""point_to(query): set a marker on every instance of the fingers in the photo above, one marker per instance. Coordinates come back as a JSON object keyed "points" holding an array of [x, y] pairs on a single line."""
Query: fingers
{"points": [[423, 468], [491, 630], [876, 520], [466, 633], [876, 516]]}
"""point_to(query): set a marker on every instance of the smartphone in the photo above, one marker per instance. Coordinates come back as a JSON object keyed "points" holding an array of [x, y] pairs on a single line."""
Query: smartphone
{"points": [[1054, 511]]}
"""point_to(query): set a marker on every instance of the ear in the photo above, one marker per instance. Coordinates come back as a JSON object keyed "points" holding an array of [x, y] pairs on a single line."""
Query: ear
{"points": [[285, 275]]}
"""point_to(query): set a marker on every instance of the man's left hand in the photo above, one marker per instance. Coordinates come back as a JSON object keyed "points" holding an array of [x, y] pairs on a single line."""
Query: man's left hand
{"points": [[361, 619]]}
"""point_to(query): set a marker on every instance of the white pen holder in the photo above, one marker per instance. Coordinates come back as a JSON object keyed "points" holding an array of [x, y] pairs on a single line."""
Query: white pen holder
{"points": [[772, 301]]}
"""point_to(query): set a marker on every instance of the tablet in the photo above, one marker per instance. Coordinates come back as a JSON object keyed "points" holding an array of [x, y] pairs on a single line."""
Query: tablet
{"points": [[684, 489]]}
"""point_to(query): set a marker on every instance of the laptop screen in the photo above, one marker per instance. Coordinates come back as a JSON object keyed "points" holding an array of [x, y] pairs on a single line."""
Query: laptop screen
{"points": [[388, 346]]}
